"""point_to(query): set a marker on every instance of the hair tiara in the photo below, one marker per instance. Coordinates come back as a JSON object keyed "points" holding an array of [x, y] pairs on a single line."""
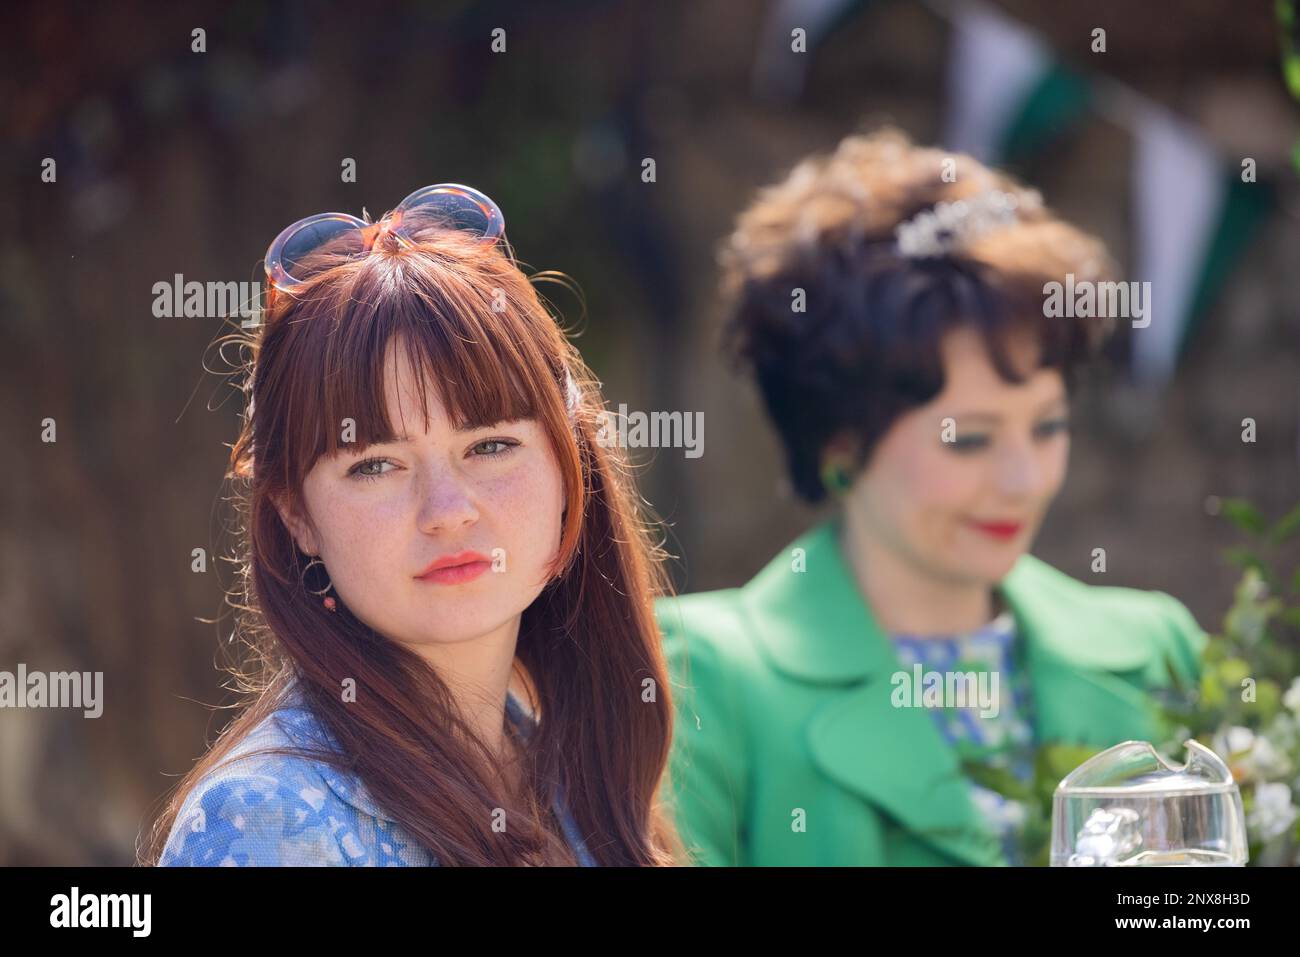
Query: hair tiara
{"points": [[951, 225]]}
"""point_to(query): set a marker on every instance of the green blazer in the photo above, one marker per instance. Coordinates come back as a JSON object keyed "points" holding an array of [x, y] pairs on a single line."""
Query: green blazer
{"points": [[782, 691]]}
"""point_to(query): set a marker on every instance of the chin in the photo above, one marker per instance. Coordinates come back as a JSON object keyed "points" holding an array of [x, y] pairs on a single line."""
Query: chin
{"points": [[445, 626], [984, 566], [454, 635], [995, 567]]}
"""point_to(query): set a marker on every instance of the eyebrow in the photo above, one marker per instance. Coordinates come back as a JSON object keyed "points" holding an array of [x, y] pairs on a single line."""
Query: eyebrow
{"points": [[995, 417]]}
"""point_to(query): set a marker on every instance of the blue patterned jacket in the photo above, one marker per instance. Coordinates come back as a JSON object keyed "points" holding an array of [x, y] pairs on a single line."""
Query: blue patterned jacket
{"points": [[277, 810]]}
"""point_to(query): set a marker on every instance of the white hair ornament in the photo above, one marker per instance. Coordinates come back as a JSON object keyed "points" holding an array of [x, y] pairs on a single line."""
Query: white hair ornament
{"points": [[950, 226]]}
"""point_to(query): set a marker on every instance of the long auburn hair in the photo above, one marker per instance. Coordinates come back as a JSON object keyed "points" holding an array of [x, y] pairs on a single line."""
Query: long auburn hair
{"points": [[588, 649]]}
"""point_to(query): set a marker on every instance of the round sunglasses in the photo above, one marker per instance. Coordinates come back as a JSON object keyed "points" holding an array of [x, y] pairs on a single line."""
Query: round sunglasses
{"points": [[302, 249]]}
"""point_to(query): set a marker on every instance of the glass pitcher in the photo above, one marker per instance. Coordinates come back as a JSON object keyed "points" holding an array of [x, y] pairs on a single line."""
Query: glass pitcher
{"points": [[1129, 807]]}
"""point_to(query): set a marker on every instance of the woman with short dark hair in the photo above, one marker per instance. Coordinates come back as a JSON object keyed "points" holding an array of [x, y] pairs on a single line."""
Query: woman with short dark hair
{"points": [[850, 704]]}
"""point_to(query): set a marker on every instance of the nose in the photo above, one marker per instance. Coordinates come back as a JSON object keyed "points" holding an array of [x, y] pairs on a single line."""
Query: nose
{"points": [[446, 501], [1019, 472]]}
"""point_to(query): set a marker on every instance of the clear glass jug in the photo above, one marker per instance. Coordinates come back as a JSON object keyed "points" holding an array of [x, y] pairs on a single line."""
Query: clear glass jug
{"points": [[1129, 807]]}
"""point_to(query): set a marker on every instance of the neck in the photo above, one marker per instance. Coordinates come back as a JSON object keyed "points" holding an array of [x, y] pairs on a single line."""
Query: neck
{"points": [[904, 598], [478, 675]]}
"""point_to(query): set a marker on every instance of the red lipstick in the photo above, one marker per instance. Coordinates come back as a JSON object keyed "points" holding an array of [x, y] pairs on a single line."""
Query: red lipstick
{"points": [[1003, 531], [455, 569]]}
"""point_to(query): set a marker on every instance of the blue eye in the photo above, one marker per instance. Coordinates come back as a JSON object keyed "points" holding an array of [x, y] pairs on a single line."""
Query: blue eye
{"points": [[358, 470], [495, 447], [504, 446]]}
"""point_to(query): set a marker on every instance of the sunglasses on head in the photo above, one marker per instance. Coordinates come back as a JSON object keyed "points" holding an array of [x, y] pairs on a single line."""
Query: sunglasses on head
{"points": [[304, 248]]}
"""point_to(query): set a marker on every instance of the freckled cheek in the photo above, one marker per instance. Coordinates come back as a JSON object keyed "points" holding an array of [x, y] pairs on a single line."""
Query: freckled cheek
{"points": [[525, 505], [363, 530]]}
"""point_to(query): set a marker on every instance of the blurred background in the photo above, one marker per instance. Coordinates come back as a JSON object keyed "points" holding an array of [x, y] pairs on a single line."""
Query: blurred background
{"points": [[1176, 141]]}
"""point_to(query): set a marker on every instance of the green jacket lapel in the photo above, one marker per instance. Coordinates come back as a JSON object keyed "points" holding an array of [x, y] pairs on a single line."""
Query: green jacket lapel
{"points": [[1074, 650], [814, 627]]}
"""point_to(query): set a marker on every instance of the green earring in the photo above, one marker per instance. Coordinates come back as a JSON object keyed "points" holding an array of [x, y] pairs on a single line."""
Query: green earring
{"points": [[835, 478]]}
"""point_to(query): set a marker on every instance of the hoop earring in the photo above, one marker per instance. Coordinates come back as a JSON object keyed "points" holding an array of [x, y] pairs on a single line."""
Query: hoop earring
{"points": [[328, 601]]}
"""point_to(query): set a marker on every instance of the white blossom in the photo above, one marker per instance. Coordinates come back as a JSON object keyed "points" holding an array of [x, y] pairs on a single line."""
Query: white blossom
{"points": [[1273, 812], [1291, 697]]}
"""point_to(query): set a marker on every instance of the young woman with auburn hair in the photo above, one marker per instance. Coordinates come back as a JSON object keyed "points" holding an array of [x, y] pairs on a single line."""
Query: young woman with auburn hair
{"points": [[446, 586]]}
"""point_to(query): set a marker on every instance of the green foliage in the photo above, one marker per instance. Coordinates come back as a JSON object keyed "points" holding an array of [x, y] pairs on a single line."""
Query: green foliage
{"points": [[1246, 706]]}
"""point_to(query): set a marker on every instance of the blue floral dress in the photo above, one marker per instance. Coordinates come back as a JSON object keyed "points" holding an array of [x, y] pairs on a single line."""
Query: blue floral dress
{"points": [[276, 810], [1004, 740]]}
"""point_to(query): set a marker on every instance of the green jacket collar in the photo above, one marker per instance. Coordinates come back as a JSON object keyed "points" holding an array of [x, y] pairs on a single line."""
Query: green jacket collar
{"points": [[812, 623]]}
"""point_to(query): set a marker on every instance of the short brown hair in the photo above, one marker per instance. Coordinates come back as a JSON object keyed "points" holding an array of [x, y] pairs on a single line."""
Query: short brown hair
{"points": [[866, 348]]}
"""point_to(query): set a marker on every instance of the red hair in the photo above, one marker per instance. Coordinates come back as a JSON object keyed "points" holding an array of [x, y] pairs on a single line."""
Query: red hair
{"points": [[475, 328]]}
